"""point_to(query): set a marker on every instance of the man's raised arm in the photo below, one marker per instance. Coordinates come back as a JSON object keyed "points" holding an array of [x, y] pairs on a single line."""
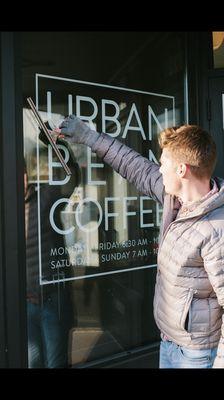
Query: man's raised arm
{"points": [[144, 174]]}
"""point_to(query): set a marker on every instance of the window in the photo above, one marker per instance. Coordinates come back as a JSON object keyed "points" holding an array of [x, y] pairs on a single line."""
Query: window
{"points": [[92, 239]]}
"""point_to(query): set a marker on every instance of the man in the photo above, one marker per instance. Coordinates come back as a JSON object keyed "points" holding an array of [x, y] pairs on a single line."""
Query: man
{"points": [[189, 291]]}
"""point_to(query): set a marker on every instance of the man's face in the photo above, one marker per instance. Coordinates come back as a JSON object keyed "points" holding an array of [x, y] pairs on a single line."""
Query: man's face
{"points": [[168, 170]]}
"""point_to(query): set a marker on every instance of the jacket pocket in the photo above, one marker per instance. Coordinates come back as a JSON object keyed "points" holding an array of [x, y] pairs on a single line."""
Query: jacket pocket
{"points": [[186, 309], [204, 318]]}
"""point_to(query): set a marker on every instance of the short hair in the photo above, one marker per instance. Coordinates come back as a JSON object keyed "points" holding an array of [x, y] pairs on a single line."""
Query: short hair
{"points": [[191, 145]]}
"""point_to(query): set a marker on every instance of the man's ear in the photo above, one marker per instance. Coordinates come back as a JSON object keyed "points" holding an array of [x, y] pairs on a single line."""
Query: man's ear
{"points": [[181, 170]]}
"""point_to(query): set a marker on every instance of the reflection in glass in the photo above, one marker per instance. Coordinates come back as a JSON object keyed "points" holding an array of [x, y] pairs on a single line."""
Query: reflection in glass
{"points": [[49, 308], [105, 232]]}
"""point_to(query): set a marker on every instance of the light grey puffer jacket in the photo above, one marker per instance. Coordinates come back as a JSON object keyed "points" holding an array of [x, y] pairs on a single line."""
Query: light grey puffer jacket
{"points": [[190, 278]]}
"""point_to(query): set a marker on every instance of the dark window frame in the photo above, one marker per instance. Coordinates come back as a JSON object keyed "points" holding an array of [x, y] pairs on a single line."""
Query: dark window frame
{"points": [[13, 323]]}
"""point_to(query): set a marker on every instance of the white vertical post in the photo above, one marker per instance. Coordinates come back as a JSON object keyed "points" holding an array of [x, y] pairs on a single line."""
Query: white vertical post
{"points": [[48, 105]]}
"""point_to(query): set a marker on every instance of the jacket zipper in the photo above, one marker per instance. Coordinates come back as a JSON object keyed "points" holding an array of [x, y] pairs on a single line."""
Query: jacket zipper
{"points": [[187, 306]]}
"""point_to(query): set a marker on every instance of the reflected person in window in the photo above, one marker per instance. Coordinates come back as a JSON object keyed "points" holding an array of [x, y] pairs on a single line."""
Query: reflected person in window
{"points": [[49, 307], [189, 290]]}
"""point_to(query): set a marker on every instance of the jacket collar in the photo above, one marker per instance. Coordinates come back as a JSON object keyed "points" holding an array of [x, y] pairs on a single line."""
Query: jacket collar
{"points": [[211, 202]]}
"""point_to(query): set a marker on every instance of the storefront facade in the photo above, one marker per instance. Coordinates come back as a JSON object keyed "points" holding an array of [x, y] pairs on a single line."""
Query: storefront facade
{"points": [[89, 242]]}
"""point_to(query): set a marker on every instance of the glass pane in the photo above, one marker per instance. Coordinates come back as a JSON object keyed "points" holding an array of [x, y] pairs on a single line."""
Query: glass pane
{"points": [[218, 49], [92, 238]]}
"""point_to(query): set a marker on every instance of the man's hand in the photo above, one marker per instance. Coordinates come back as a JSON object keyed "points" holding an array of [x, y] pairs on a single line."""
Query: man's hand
{"points": [[52, 130], [74, 130]]}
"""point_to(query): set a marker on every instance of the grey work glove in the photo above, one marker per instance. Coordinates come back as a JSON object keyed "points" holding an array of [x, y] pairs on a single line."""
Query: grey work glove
{"points": [[77, 131]]}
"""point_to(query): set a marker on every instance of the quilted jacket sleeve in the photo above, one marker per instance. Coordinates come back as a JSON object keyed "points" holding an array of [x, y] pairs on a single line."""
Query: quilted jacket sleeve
{"points": [[213, 255], [144, 174]]}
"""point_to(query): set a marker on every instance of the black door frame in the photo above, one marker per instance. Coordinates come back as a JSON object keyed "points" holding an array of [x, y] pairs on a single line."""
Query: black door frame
{"points": [[199, 64], [206, 72], [13, 336]]}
